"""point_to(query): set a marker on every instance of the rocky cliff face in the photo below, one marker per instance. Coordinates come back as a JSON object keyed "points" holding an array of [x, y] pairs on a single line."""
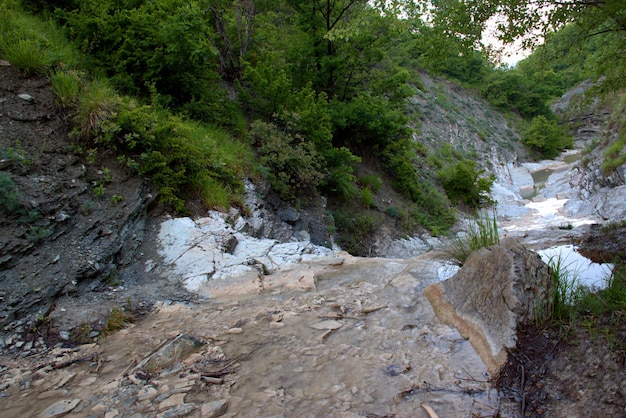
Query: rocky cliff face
{"points": [[592, 122], [57, 236]]}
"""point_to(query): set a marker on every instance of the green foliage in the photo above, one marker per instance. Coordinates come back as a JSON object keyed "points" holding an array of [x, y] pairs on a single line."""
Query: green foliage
{"points": [[37, 234], [97, 106], [341, 181], [566, 290], [164, 47], [293, 164], [511, 90], [610, 299], [367, 198], [433, 210], [547, 137], [8, 196], [371, 182], [182, 157], [368, 123], [25, 54], [614, 156], [214, 194], [464, 182], [354, 232], [394, 212], [30, 44], [118, 319], [482, 233]]}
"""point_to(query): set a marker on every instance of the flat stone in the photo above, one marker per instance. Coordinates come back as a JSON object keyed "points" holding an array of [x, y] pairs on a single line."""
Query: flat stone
{"points": [[148, 392], [99, 409], [178, 411], [327, 325], [214, 409], [172, 401], [52, 393], [60, 408], [112, 413]]}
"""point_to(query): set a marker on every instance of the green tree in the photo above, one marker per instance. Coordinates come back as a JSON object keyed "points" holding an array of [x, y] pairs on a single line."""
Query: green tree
{"points": [[547, 137], [532, 21]]}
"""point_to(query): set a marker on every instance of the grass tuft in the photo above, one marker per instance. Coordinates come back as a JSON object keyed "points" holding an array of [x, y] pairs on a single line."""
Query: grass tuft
{"points": [[67, 87], [482, 232], [26, 55], [97, 105], [566, 288]]}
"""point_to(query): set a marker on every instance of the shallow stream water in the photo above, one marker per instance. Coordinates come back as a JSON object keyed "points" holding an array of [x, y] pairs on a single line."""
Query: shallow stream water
{"points": [[543, 224]]}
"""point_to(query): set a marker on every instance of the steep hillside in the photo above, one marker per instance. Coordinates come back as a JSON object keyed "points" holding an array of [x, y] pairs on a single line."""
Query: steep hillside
{"points": [[70, 227]]}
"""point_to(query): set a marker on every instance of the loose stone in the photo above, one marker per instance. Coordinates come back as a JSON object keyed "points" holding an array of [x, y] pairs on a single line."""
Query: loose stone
{"points": [[172, 401], [214, 409], [60, 408]]}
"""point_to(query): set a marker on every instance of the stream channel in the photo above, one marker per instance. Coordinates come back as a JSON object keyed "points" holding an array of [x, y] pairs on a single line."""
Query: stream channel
{"points": [[326, 335], [541, 220]]}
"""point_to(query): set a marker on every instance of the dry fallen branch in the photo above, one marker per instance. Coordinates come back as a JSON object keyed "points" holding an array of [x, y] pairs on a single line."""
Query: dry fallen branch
{"points": [[430, 411]]}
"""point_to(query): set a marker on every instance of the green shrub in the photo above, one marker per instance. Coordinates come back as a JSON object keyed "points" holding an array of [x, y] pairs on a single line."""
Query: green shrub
{"points": [[432, 207], [614, 156], [293, 165], [464, 182], [547, 137], [340, 180], [566, 289], [354, 232], [372, 182], [31, 44], [38, 233], [394, 212], [8, 196], [96, 108], [214, 194], [367, 198]]}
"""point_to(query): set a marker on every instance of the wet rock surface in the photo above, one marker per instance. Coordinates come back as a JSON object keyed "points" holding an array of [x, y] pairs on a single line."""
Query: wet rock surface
{"points": [[363, 341]]}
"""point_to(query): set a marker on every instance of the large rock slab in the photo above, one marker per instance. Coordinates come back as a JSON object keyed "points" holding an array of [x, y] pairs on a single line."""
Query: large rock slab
{"points": [[496, 290]]}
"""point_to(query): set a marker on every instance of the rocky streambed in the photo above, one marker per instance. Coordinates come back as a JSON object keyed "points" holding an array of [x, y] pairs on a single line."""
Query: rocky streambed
{"points": [[324, 334]]}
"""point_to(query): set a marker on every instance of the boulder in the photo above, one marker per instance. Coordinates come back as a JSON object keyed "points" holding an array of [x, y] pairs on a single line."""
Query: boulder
{"points": [[497, 289], [171, 352]]}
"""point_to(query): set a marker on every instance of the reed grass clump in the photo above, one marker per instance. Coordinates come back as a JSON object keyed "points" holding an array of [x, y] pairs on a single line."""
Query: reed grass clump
{"points": [[482, 233]]}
